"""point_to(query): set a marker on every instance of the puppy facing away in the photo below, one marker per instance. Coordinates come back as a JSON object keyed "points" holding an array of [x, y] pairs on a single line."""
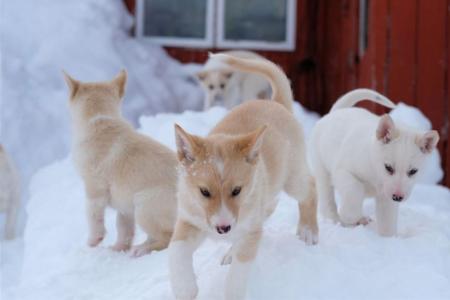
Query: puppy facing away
{"points": [[229, 181], [9, 193], [363, 155], [227, 87], [121, 168]]}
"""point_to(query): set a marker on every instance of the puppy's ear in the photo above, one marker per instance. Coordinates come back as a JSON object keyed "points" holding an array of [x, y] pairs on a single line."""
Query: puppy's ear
{"points": [[72, 84], [201, 75], [120, 82], [428, 141], [250, 144], [386, 130], [187, 145]]}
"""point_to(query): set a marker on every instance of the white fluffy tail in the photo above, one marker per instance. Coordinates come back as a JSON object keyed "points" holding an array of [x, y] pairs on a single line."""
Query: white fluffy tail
{"points": [[281, 88], [358, 95]]}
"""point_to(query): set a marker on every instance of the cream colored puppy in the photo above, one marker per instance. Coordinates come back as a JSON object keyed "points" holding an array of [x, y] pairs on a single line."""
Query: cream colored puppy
{"points": [[121, 168], [229, 181], [9, 193], [227, 87], [362, 155]]}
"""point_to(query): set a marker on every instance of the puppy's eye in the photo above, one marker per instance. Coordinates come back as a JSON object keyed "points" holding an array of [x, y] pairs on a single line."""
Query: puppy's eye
{"points": [[412, 172], [389, 169], [236, 191], [222, 86], [211, 87], [205, 193]]}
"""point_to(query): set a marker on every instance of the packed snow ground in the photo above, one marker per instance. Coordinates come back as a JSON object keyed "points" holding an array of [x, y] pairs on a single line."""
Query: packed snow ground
{"points": [[348, 263]]}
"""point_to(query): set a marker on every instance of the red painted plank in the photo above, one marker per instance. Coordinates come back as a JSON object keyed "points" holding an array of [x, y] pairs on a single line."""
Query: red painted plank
{"points": [[402, 51], [373, 69], [447, 101], [431, 63], [349, 42]]}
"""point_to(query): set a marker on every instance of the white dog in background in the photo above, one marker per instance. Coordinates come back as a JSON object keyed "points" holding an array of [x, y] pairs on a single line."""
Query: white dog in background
{"points": [[226, 87], [364, 155], [9, 193]]}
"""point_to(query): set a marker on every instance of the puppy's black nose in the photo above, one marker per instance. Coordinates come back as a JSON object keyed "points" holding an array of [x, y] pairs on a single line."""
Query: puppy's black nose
{"points": [[223, 229], [397, 198]]}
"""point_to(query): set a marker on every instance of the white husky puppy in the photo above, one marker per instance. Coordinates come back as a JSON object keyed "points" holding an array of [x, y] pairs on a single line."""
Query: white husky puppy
{"points": [[121, 168], [9, 193], [229, 181], [227, 87], [364, 155]]}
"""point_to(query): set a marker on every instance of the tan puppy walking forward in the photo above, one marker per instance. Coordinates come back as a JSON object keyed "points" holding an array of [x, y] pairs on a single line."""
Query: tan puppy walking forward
{"points": [[229, 181], [121, 168]]}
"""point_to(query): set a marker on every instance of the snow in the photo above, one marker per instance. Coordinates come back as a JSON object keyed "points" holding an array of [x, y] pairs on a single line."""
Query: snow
{"points": [[413, 117], [89, 39], [348, 263]]}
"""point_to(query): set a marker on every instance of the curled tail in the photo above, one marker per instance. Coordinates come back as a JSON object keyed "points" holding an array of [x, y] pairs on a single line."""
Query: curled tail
{"points": [[281, 88], [358, 95]]}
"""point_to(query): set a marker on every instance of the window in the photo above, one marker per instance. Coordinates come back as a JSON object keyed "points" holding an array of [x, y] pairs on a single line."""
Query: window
{"points": [[251, 24], [175, 22]]}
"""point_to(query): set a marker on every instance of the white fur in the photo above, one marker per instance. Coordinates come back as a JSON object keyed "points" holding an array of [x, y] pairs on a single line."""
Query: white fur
{"points": [[350, 148], [182, 276]]}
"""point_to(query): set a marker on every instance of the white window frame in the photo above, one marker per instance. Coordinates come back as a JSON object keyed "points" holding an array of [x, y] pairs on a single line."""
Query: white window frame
{"points": [[206, 42], [288, 45], [215, 15]]}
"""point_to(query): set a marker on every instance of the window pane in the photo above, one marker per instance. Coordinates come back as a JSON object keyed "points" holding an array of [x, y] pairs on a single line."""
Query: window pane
{"points": [[175, 18], [256, 20]]}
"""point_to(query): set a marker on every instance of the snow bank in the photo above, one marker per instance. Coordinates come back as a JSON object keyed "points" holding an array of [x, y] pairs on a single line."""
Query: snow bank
{"points": [[88, 39], [414, 118], [348, 263]]}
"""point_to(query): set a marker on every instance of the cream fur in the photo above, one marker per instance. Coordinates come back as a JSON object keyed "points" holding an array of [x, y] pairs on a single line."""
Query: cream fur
{"points": [[259, 147], [353, 150], [9, 193], [227, 87], [121, 168]]}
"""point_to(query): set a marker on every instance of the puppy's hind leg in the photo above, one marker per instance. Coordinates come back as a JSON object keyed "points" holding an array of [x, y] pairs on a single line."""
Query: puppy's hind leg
{"points": [[150, 245], [156, 219], [325, 194], [125, 231], [301, 187], [95, 208], [352, 193]]}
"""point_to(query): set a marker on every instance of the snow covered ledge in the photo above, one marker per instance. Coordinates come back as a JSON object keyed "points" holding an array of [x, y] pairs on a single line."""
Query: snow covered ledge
{"points": [[58, 265]]}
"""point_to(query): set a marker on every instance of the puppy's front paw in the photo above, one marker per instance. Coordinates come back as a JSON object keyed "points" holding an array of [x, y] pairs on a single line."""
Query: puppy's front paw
{"points": [[93, 241], [186, 291], [308, 235]]}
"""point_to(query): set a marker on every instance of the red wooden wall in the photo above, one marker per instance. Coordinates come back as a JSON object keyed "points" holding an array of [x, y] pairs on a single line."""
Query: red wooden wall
{"points": [[407, 57]]}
